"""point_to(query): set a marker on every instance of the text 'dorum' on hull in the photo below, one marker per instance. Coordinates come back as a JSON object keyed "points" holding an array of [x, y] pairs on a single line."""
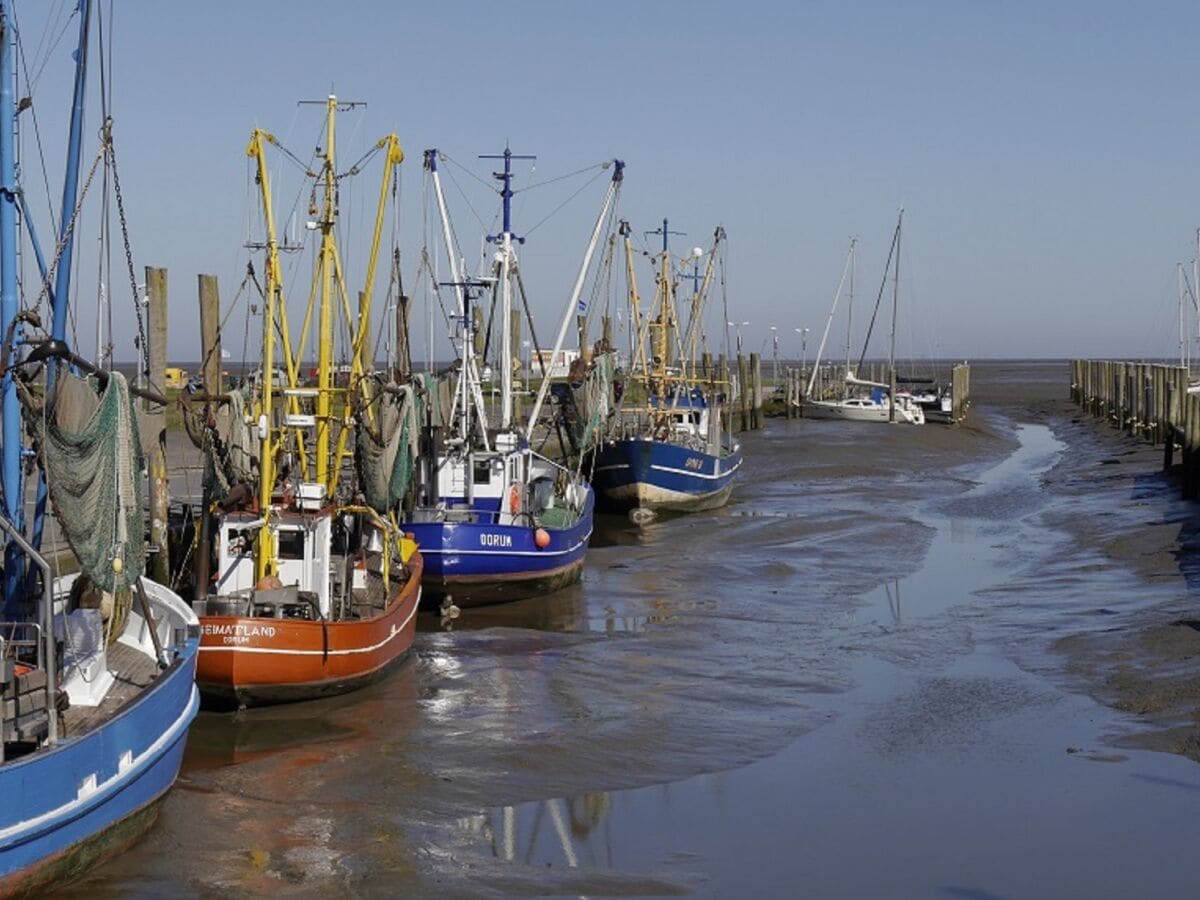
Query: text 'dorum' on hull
{"points": [[476, 563]]}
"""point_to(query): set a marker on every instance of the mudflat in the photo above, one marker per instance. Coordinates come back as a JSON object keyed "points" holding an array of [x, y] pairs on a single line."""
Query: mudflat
{"points": [[903, 661]]}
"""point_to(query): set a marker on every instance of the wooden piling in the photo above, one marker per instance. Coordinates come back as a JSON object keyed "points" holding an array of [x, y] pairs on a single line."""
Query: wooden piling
{"points": [[727, 387], [403, 349], [210, 335], [756, 401], [743, 394], [154, 437]]}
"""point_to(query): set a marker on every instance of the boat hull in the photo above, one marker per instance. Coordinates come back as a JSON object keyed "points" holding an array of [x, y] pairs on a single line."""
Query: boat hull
{"points": [[249, 660], [478, 564], [658, 475], [817, 409], [55, 825]]}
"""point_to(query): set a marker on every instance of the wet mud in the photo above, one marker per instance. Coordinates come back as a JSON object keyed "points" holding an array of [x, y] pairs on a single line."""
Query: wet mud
{"points": [[902, 661]]}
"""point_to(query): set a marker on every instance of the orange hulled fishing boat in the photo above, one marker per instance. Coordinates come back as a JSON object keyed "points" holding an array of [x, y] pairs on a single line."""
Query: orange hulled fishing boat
{"points": [[314, 587]]}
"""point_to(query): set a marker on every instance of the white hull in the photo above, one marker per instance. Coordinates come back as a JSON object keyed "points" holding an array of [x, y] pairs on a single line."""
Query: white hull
{"points": [[858, 411]]}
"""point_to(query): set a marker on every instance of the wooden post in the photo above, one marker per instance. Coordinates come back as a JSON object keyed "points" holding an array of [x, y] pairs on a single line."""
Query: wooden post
{"points": [[403, 351], [210, 335], [743, 393], [581, 325], [210, 374], [727, 386], [1191, 447], [154, 438], [1169, 432], [1185, 441], [756, 402]]}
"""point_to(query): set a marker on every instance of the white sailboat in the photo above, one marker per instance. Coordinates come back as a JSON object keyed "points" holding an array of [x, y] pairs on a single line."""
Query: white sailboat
{"points": [[862, 400]]}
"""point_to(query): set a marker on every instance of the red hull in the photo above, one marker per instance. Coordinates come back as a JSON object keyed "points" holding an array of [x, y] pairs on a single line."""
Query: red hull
{"points": [[250, 660]]}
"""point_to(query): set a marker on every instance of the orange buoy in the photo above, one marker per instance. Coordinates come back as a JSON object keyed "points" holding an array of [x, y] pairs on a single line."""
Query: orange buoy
{"points": [[541, 537]]}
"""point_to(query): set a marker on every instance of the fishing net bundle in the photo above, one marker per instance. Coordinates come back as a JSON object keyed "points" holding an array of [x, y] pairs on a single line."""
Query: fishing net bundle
{"points": [[385, 453], [92, 454], [229, 442], [592, 401]]}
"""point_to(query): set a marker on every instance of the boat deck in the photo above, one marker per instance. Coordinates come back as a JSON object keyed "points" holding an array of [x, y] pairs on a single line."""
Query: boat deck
{"points": [[133, 671]]}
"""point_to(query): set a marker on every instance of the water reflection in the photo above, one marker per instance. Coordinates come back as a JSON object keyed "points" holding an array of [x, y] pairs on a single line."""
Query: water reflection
{"points": [[546, 832]]}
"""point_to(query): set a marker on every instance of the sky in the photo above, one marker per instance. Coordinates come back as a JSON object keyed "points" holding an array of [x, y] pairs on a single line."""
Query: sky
{"points": [[1044, 154]]}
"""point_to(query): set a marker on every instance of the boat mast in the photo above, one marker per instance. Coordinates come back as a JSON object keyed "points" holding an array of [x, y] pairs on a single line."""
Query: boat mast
{"points": [[10, 467], [850, 303], [1182, 325], [60, 295], [325, 314], [468, 379], [892, 350], [610, 197], [265, 559], [505, 240]]}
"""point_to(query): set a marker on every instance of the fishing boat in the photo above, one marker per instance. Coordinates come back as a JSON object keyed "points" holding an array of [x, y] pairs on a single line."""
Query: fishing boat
{"points": [[861, 400], [497, 520], [97, 668], [665, 449], [314, 591]]}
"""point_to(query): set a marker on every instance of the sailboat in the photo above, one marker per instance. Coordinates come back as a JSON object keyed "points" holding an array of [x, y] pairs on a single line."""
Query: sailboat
{"points": [[665, 448], [863, 400], [315, 591], [496, 520], [96, 669]]}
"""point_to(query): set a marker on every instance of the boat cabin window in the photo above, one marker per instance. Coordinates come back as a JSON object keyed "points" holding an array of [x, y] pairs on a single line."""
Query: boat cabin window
{"points": [[481, 472], [241, 543], [291, 545]]}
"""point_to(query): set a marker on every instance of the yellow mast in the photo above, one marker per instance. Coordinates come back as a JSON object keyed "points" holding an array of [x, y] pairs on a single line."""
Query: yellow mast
{"points": [[264, 561], [635, 302], [394, 156], [325, 312]]}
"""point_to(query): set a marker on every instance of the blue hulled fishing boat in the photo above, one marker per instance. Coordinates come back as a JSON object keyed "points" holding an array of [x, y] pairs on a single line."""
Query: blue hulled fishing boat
{"points": [[495, 519], [96, 669], [664, 448], [679, 473]]}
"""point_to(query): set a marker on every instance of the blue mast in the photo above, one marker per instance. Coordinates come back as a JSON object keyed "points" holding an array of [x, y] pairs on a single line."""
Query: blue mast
{"points": [[10, 429], [60, 296], [62, 278], [506, 193]]}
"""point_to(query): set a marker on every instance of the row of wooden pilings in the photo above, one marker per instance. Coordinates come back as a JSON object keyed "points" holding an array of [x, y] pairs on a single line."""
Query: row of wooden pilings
{"points": [[743, 388], [1150, 401]]}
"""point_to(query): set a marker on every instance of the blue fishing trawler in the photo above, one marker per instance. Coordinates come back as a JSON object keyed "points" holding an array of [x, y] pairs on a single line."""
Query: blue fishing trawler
{"points": [[496, 520], [97, 669], [678, 470], [664, 447]]}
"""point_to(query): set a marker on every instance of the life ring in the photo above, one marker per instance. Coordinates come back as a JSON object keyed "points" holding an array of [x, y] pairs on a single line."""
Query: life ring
{"points": [[514, 499]]}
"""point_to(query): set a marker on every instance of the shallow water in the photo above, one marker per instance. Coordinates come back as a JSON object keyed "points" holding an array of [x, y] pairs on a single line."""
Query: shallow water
{"points": [[845, 683]]}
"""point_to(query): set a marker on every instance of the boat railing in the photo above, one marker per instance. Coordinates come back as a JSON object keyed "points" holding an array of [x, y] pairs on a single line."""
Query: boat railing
{"points": [[47, 660]]}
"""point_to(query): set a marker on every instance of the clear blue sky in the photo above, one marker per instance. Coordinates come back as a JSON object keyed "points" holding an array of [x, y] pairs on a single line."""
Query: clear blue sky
{"points": [[1045, 154]]}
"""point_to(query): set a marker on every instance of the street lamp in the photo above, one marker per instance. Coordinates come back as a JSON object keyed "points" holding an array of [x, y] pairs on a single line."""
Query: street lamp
{"points": [[803, 332], [738, 326], [775, 354]]}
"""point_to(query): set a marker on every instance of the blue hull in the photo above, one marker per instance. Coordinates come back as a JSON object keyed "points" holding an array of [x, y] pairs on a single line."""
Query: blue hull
{"points": [[659, 475], [479, 563], [60, 804]]}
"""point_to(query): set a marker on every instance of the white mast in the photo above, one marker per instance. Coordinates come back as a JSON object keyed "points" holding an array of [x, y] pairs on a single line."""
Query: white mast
{"points": [[609, 198]]}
